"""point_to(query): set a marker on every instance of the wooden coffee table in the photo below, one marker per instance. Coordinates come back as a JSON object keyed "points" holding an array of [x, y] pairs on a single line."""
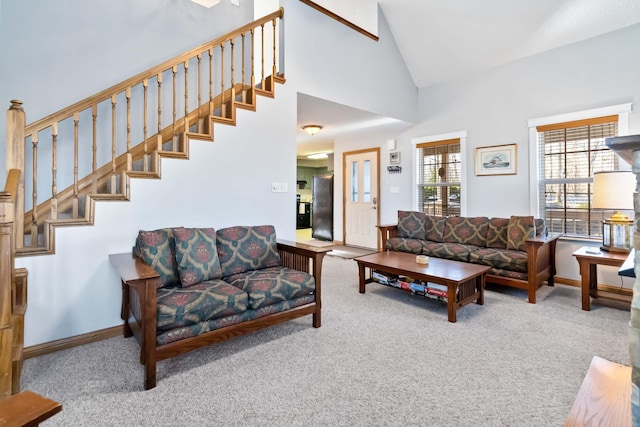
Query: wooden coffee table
{"points": [[464, 281]]}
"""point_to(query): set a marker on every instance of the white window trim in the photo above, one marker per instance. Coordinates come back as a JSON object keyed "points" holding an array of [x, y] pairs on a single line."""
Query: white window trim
{"points": [[621, 110], [462, 135]]}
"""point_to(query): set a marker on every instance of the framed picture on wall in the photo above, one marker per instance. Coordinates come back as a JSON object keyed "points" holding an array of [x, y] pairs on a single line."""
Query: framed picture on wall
{"points": [[394, 158], [496, 160]]}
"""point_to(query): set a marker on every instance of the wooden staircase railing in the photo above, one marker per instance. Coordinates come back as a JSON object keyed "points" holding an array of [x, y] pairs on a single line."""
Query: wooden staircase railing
{"points": [[86, 152], [13, 293]]}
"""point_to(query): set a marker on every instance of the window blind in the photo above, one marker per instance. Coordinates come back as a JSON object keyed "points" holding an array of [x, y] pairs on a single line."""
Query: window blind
{"points": [[569, 153], [438, 177]]}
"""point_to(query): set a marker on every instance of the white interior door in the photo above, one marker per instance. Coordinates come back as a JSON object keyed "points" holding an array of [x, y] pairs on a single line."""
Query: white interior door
{"points": [[361, 199]]}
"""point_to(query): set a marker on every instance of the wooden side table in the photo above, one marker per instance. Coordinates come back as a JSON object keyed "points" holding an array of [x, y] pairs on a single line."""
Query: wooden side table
{"points": [[589, 271]]}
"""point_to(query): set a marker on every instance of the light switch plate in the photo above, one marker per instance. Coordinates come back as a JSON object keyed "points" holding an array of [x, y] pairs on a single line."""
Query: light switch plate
{"points": [[235, 2], [279, 187]]}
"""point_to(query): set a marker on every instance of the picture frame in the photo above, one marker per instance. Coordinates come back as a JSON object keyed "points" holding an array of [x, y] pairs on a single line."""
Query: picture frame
{"points": [[394, 158], [497, 160]]}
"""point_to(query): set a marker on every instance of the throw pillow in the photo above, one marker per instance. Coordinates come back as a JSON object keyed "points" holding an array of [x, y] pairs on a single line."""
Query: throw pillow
{"points": [[497, 233], [196, 255], [157, 248], [244, 248], [411, 224], [520, 228], [434, 227]]}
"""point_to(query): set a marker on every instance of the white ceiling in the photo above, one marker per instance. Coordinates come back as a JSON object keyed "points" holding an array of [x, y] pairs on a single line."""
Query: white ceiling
{"points": [[443, 40], [446, 39]]}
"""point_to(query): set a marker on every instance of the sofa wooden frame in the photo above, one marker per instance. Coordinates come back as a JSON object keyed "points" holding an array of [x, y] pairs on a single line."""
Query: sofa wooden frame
{"points": [[541, 262], [139, 306]]}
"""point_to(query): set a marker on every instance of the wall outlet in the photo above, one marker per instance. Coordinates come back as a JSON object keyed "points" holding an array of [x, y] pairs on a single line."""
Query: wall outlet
{"points": [[235, 2], [279, 187]]}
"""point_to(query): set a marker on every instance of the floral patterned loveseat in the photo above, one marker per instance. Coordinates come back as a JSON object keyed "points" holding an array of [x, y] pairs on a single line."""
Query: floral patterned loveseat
{"points": [[518, 251], [185, 288]]}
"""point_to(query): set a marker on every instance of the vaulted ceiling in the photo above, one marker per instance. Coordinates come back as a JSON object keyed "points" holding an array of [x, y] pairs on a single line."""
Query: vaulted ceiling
{"points": [[446, 39], [442, 40]]}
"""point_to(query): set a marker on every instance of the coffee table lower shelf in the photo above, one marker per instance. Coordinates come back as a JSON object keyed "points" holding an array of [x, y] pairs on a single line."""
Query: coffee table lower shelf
{"points": [[464, 282]]}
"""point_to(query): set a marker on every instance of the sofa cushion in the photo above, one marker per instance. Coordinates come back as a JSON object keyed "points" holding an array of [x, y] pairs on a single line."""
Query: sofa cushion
{"points": [[452, 251], [176, 334], [497, 233], [178, 306], [157, 248], [272, 285], [411, 224], [245, 248], [404, 244], [434, 227], [197, 255], [502, 259], [466, 230], [520, 228]]}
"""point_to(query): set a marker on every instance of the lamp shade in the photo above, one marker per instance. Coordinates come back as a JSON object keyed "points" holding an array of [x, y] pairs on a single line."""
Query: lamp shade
{"points": [[614, 190]]}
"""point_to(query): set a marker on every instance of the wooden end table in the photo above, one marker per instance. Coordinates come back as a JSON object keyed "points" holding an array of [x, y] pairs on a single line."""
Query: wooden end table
{"points": [[464, 281], [589, 272]]}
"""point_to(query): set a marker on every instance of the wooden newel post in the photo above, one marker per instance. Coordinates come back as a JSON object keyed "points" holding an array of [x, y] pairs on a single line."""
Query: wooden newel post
{"points": [[16, 123], [6, 279]]}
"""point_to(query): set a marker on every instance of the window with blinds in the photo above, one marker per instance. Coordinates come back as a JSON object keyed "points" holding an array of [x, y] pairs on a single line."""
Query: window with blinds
{"points": [[438, 177], [569, 153]]}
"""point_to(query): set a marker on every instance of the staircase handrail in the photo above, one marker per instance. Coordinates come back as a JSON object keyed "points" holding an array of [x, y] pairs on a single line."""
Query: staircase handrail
{"points": [[137, 79]]}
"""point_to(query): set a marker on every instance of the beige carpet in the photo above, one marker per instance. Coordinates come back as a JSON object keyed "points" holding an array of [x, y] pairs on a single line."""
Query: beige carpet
{"points": [[383, 358]]}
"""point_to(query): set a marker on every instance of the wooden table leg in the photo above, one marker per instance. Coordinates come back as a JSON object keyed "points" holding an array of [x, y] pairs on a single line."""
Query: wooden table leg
{"points": [[480, 289], [451, 302], [593, 280], [361, 275], [584, 284]]}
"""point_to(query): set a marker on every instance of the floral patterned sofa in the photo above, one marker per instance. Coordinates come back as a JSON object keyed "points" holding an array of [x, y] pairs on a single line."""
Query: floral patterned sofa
{"points": [[185, 288], [518, 251]]}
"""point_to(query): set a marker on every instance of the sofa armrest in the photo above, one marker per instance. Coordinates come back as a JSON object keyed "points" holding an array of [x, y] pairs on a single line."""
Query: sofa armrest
{"points": [[541, 240], [301, 257], [541, 261], [387, 231], [139, 282], [307, 258], [131, 268]]}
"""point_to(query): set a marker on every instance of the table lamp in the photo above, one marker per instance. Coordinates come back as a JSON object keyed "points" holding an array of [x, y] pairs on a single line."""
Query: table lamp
{"points": [[615, 191]]}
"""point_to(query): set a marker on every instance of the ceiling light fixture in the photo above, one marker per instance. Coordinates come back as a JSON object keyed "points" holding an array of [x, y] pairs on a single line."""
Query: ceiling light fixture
{"points": [[312, 129], [206, 3], [318, 156]]}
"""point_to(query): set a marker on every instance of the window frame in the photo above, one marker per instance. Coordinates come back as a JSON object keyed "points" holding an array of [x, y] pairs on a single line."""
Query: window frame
{"points": [[620, 110], [415, 142]]}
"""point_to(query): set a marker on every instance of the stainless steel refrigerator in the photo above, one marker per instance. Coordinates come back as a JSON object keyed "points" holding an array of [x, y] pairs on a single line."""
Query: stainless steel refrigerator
{"points": [[322, 207]]}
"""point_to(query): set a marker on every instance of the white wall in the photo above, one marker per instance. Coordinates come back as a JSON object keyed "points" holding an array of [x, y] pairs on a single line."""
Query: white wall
{"points": [[334, 62], [224, 183], [493, 107], [329, 60]]}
